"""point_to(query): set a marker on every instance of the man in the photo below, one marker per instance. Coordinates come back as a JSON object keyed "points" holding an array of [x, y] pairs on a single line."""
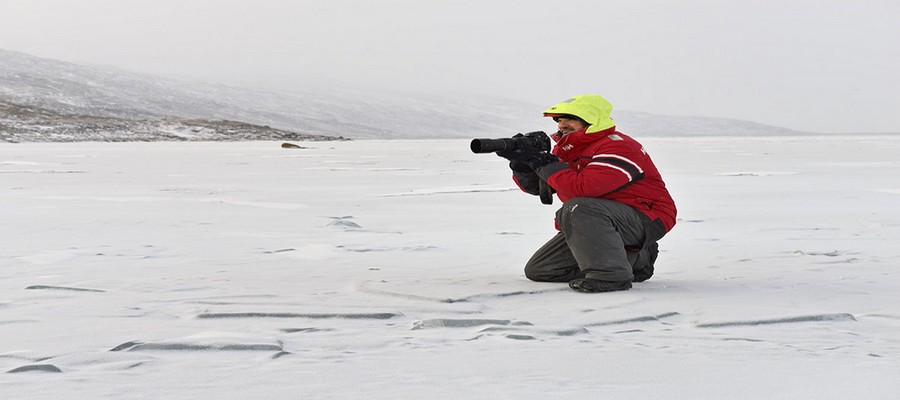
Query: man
{"points": [[616, 205]]}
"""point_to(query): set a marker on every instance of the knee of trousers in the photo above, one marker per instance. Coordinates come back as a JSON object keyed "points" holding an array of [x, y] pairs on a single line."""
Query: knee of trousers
{"points": [[538, 269], [544, 274], [533, 273]]}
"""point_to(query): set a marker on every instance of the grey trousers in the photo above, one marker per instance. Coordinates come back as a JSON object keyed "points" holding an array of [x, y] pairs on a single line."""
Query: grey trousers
{"points": [[591, 243]]}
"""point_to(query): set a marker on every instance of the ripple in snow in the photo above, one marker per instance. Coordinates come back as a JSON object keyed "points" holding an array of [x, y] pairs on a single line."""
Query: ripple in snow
{"points": [[72, 289], [298, 315], [462, 323], [648, 318], [555, 332], [35, 368], [789, 320], [206, 347], [364, 288], [201, 344]]}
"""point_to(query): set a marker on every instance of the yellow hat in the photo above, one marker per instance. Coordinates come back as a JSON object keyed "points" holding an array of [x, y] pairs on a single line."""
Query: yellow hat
{"points": [[591, 108]]}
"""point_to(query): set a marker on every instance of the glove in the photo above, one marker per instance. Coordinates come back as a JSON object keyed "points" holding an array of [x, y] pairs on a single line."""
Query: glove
{"points": [[525, 177], [520, 167], [525, 153], [539, 160]]}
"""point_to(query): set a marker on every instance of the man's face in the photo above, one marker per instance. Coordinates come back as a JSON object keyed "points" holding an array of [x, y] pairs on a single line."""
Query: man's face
{"points": [[568, 125]]}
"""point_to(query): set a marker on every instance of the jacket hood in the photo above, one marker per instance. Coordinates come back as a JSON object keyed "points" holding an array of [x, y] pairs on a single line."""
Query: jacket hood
{"points": [[592, 108]]}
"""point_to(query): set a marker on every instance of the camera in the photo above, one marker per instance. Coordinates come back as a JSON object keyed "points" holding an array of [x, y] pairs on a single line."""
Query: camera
{"points": [[538, 140]]}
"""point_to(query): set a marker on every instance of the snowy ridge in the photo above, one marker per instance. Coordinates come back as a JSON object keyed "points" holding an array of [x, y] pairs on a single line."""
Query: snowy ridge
{"points": [[80, 90], [109, 92], [22, 124]]}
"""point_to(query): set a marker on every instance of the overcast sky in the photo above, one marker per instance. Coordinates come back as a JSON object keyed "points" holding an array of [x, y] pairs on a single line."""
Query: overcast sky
{"points": [[810, 65]]}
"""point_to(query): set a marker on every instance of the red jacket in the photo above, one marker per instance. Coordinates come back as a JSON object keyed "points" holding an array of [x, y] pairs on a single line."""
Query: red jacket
{"points": [[610, 165]]}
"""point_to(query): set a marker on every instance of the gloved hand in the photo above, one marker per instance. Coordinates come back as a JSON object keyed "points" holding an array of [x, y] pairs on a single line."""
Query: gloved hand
{"points": [[517, 166], [525, 177], [539, 160]]}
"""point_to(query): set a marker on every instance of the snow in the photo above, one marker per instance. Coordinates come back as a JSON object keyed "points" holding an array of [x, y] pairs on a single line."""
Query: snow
{"points": [[392, 269]]}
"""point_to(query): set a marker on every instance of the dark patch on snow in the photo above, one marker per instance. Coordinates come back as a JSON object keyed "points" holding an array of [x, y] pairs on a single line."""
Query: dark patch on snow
{"points": [[345, 224], [561, 332], [371, 249], [73, 289], [789, 320], [648, 318], [280, 251], [742, 339], [205, 347], [126, 346], [834, 253], [466, 299], [521, 337], [304, 330], [298, 315], [457, 323], [35, 368]]}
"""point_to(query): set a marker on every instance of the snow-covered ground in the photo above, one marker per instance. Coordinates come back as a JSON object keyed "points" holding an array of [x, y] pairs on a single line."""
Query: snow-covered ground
{"points": [[393, 270]]}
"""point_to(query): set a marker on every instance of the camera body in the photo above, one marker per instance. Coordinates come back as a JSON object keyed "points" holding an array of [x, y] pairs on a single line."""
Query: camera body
{"points": [[537, 139]]}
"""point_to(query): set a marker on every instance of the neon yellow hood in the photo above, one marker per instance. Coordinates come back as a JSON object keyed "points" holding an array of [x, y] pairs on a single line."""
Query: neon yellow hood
{"points": [[592, 108]]}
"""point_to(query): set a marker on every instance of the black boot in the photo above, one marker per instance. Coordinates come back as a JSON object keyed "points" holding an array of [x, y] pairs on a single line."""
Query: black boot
{"points": [[586, 285], [642, 261]]}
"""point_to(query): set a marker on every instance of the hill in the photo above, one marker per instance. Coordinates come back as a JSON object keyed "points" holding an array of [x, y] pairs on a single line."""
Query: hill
{"points": [[91, 93], [20, 124]]}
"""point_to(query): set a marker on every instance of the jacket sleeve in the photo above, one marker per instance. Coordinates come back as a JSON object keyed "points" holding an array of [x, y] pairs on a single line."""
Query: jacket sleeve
{"points": [[610, 169]]}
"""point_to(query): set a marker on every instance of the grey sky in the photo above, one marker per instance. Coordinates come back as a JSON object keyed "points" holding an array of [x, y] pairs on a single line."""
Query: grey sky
{"points": [[813, 65]]}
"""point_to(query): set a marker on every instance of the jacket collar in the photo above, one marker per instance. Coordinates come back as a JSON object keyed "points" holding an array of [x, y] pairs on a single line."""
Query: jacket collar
{"points": [[568, 146]]}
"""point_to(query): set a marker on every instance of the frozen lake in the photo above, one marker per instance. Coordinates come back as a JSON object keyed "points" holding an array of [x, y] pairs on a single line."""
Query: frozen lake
{"points": [[393, 270]]}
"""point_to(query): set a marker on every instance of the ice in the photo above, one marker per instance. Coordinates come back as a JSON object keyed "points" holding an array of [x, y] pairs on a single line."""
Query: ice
{"points": [[392, 269]]}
